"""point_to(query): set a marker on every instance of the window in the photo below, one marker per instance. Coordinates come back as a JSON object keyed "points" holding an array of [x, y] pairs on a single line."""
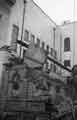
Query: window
{"points": [[51, 52], [47, 49], [38, 42], [55, 54], [43, 45], [54, 68], [1, 16], [67, 63], [15, 32], [24, 52], [32, 38], [51, 66], [26, 36], [67, 44]]}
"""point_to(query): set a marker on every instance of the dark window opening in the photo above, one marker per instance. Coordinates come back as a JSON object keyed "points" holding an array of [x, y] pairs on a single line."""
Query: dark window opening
{"points": [[67, 63], [38, 42], [15, 32], [47, 49], [67, 44], [55, 54], [43, 45], [26, 36], [54, 68], [24, 52], [51, 52], [32, 38]]}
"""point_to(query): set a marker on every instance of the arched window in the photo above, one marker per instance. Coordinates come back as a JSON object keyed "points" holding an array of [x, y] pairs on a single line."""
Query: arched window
{"points": [[67, 44], [26, 35], [32, 38], [38, 42]]}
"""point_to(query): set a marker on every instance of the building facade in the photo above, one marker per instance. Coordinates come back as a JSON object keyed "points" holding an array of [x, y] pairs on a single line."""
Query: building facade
{"points": [[24, 21], [69, 44]]}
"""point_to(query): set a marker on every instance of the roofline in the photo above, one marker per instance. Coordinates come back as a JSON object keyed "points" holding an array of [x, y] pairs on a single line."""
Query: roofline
{"points": [[44, 12], [67, 23]]}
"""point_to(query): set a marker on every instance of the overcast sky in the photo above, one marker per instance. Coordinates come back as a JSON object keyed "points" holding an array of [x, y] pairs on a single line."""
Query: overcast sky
{"points": [[59, 10]]}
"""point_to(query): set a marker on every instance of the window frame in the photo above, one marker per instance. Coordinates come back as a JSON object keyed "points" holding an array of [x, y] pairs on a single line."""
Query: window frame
{"points": [[15, 41], [38, 42], [54, 68], [67, 64], [47, 49], [33, 38], [24, 52], [43, 45], [67, 44], [26, 35]]}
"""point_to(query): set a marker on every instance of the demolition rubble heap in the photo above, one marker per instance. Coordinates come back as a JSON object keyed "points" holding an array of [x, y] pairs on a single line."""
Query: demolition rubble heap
{"points": [[29, 87]]}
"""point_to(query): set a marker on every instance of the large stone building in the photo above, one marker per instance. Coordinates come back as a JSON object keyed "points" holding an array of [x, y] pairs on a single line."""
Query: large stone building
{"points": [[24, 21], [69, 44]]}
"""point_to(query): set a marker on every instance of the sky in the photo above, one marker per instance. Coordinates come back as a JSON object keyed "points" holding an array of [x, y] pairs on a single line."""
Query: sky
{"points": [[59, 10]]}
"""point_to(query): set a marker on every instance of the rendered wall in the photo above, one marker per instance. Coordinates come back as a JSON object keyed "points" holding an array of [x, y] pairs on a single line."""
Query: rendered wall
{"points": [[36, 22]]}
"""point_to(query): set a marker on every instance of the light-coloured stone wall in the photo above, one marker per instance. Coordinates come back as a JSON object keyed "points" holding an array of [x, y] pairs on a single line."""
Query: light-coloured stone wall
{"points": [[36, 22], [70, 30]]}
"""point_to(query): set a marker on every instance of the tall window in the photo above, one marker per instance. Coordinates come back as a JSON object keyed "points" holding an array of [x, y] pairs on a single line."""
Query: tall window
{"points": [[67, 44], [43, 45], [67, 63], [47, 49], [51, 52], [38, 42], [15, 32], [54, 67], [1, 16], [24, 52], [32, 38], [26, 35], [55, 54]]}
